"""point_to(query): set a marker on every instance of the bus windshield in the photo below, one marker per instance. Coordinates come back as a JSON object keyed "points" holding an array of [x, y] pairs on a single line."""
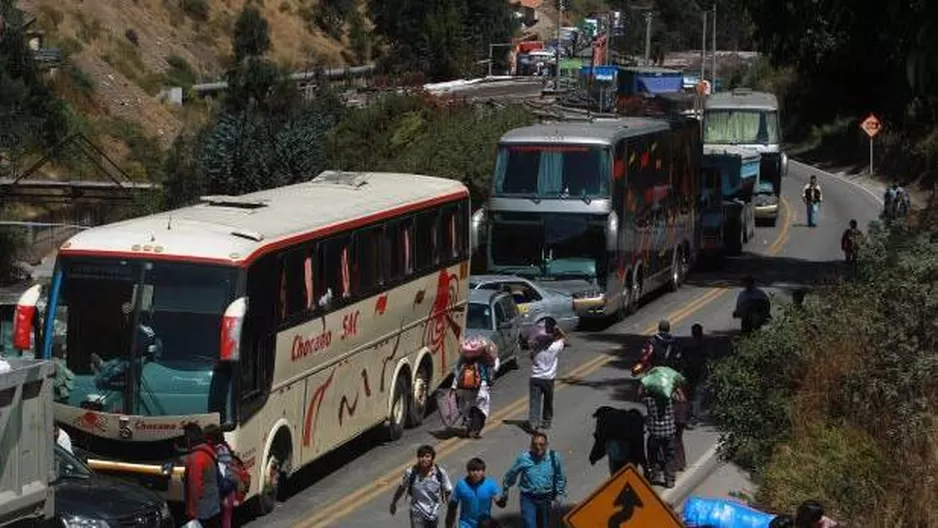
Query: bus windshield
{"points": [[732, 127], [551, 246], [178, 309], [553, 171]]}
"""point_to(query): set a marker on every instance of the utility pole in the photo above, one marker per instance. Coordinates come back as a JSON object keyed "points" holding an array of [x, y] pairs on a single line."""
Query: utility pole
{"points": [[647, 36], [703, 48], [713, 70], [560, 8]]}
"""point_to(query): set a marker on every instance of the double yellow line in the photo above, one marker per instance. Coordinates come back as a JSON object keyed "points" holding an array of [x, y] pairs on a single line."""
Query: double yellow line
{"points": [[385, 483]]}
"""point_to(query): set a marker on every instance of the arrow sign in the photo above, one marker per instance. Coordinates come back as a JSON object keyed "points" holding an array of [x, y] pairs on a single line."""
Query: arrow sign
{"points": [[626, 500], [629, 501]]}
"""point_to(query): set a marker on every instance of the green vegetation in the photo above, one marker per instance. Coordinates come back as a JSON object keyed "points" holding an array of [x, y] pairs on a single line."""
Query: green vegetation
{"points": [[837, 401]]}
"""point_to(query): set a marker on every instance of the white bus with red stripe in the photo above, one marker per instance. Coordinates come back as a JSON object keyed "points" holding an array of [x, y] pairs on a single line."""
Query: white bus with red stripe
{"points": [[296, 318]]}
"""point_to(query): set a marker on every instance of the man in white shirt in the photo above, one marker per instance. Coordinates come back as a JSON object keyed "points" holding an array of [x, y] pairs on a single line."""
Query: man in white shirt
{"points": [[544, 352]]}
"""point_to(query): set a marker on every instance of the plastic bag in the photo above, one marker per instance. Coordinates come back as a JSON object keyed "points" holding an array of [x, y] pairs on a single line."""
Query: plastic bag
{"points": [[702, 512], [476, 347], [448, 407], [661, 381]]}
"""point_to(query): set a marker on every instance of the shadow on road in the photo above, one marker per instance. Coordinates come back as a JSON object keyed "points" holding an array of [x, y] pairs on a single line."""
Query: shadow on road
{"points": [[779, 272], [511, 518]]}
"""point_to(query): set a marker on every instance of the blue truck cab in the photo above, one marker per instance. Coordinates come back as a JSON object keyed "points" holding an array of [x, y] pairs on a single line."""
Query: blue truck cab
{"points": [[729, 176]]}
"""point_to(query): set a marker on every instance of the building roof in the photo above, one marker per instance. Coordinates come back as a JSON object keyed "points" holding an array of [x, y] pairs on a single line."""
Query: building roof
{"points": [[234, 229]]}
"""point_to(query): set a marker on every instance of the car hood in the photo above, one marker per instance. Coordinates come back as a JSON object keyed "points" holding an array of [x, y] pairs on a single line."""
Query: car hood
{"points": [[103, 497], [480, 332]]}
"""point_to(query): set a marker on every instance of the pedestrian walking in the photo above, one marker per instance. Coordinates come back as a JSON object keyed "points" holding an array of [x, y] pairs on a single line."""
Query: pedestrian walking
{"points": [[812, 196], [542, 482], [223, 457], [473, 375], [850, 243], [620, 437], [544, 359], [661, 439], [696, 358], [660, 350], [472, 497], [429, 488], [200, 480]]}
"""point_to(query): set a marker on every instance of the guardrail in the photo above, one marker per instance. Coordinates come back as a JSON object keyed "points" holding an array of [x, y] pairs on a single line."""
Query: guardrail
{"points": [[298, 77]]}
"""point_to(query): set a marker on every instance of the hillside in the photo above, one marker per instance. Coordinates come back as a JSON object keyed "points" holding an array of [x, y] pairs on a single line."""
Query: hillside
{"points": [[124, 52]]}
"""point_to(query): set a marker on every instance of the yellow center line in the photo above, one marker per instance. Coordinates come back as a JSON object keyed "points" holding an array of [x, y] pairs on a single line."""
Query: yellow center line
{"points": [[386, 482]]}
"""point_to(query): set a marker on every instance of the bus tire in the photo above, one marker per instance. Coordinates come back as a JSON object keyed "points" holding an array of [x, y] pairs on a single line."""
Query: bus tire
{"points": [[272, 483], [678, 267], [400, 407], [420, 395]]}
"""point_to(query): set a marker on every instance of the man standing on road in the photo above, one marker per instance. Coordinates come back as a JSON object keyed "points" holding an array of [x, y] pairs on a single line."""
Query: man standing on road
{"points": [[542, 482], [696, 359], [753, 307], [850, 244], [428, 486], [812, 199], [543, 374], [472, 497], [661, 439]]}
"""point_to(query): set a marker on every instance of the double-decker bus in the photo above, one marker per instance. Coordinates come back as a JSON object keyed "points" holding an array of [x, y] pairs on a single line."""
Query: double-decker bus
{"points": [[750, 119], [296, 318], [604, 209]]}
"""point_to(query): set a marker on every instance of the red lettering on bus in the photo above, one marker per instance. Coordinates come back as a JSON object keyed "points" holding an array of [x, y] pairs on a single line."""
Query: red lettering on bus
{"points": [[350, 324], [307, 347]]}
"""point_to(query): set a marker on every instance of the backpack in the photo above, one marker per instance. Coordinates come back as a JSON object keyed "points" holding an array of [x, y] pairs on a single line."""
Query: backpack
{"points": [[470, 376], [664, 351], [233, 477], [413, 478]]}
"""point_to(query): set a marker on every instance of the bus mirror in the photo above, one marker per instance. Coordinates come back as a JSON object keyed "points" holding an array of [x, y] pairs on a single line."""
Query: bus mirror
{"points": [[612, 232], [231, 325], [24, 318], [477, 230]]}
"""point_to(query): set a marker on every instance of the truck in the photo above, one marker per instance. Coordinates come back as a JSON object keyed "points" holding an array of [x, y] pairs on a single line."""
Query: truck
{"points": [[750, 119], [728, 176], [26, 442]]}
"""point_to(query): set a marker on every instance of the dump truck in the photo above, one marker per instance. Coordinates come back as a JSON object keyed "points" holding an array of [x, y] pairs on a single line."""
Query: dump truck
{"points": [[26, 442]]}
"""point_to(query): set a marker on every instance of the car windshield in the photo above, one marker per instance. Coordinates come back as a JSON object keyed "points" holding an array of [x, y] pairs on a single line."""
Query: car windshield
{"points": [[177, 309], [68, 465], [765, 188], [479, 317], [553, 171]]}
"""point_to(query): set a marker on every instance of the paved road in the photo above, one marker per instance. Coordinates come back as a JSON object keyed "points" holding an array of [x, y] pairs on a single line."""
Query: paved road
{"points": [[353, 488]]}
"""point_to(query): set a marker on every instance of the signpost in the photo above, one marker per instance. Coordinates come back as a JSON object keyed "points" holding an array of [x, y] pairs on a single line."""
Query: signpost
{"points": [[871, 125], [626, 500]]}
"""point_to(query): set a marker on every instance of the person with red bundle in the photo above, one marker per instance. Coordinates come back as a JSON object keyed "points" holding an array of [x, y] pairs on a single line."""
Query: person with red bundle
{"points": [[474, 372]]}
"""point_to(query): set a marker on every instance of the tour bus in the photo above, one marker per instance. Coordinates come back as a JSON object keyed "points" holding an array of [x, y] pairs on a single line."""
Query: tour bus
{"points": [[604, 209], [296, 318], [748, 119]]}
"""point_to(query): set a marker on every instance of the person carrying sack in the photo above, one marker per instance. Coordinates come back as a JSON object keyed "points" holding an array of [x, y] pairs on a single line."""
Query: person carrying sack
{"points": [[472, 379]]}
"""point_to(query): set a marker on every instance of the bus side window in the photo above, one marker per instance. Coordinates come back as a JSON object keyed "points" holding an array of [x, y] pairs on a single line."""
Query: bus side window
{"points": [[368, 244], [427, 240], [296, 270], [259, 335], [398, 252], [335, 273]]}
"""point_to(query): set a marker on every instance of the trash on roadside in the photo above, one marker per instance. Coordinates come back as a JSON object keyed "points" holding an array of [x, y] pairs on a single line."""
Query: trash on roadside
{"points": [[700, 512]]}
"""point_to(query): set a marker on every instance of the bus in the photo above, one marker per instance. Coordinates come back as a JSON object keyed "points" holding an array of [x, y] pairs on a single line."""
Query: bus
{"points": [[296, 318], [604, 209], [749, 119], [627, 89]]}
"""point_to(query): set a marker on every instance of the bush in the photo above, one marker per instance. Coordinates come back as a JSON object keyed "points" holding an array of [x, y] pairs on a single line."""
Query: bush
{"points": [[837, 402], [197, 10]]}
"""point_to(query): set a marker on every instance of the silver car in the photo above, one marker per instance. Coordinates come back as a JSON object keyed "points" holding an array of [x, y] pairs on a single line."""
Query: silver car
{"points": [[534, 301], [493, 315]]}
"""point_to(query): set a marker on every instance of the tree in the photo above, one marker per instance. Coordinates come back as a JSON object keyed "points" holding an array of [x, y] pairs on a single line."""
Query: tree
{"points": [[251, 34]]}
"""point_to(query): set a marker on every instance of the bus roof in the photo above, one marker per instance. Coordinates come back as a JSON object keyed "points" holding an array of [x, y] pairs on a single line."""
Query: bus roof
{"points": [[233, 230], [742, 98], [596, 132]]}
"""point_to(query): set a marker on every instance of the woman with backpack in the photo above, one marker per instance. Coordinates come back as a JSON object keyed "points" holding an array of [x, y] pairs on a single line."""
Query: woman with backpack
{"points": [[223, 457], [472, 378]]}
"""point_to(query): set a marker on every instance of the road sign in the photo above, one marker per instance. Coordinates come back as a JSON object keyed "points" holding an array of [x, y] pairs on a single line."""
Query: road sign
{"points": [[871, 125], [626, 500]]}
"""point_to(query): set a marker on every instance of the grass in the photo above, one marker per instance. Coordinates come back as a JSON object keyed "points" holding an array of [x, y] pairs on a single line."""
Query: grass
{"points": [[125, 58]]}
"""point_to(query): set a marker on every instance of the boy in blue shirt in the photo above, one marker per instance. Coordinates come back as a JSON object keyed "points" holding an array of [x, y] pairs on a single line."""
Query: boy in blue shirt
{"points": [[472, 497]]}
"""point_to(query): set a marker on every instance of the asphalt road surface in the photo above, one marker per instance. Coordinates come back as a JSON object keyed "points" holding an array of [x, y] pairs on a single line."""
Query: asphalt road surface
{"points": [[353, 487]]}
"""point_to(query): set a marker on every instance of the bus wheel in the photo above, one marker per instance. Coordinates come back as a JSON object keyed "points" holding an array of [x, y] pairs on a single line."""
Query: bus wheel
{"points": [[270, 490], [400, 406], [678, 266], [420, 396]]}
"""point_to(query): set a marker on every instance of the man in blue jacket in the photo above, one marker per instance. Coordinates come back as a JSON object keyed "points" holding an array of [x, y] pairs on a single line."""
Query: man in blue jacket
{"points": [[542, 481]]}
